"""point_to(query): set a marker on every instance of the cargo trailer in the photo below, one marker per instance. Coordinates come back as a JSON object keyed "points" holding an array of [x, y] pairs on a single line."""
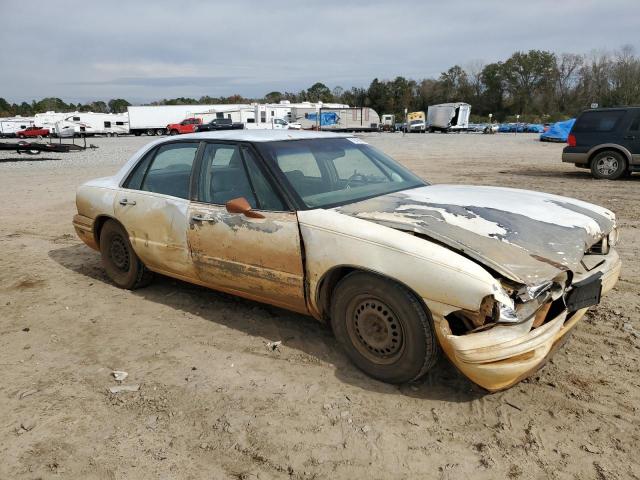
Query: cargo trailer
{"points": [[448, 117]]}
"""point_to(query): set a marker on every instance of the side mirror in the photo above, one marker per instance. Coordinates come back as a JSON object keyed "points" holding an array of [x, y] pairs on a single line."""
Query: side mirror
{"points": [[241, 205]]}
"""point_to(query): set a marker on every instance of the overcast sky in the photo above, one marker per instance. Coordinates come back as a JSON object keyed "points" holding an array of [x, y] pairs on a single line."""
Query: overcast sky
{"points": [[146, 50]]}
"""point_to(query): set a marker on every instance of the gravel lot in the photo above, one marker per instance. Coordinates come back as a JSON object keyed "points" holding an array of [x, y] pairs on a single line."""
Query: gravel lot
{"points": [[214, 402]]}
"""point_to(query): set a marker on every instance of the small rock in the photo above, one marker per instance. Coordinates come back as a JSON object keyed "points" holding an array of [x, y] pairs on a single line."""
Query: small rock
{"points": [[27, 425], [204, 446], [591, 449], [119, 375], [327, 406], [26, 329], [366, 429], [617, 312]]}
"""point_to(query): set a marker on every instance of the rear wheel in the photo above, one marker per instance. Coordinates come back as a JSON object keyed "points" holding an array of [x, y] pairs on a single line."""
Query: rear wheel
{"points": [[173, 132], [384, 329], [609, 165], [160, 131], [151, 132], [119, 260]]}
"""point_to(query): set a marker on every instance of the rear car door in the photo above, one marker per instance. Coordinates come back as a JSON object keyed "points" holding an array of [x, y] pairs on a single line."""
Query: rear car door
{"points": [[153, 207], [632, 138], [258, 258]]}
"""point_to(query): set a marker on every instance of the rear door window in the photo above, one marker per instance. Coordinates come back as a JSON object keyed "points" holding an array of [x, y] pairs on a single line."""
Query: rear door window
{"points": [[635, 123], [170, 170], [603, 121]]}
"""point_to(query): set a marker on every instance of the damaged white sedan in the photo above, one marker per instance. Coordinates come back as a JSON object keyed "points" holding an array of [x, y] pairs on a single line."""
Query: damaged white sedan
{"points": [[326, 225]]}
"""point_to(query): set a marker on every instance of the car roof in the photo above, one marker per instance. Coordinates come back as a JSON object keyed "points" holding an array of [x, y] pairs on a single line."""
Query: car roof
{"points": [[608, 109], [260, 135]]}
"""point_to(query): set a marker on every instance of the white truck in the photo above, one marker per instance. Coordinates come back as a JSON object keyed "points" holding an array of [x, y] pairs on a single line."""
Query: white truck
{"points": [[10, 126], [448, 117], [388, 122], [153, 119]]}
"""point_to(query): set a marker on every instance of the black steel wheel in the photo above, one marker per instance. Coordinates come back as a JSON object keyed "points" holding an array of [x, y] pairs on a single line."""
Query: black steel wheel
{"points": [[384, 328], [119, 260]]}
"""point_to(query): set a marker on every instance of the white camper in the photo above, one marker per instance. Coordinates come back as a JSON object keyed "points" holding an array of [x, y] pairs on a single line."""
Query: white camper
{"points": [[10, 126], [341, 119], [49, 119], [153, 119], [448, 117], [90, 123]]}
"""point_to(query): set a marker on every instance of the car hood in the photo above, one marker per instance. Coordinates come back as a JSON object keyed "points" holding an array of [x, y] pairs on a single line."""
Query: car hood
{"points": [[527, 236]]}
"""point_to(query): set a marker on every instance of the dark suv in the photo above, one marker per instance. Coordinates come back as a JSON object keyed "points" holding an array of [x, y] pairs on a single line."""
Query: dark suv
{"points": [[606, 140]]}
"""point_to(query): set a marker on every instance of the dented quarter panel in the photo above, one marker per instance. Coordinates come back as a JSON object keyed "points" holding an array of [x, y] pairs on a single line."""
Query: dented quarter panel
{"points": [[527, 236], [258, 258], [443, 278]]}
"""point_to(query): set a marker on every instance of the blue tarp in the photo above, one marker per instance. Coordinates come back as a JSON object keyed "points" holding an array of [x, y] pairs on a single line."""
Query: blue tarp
{"points": [[535, 128], [558, 132], [521, 128], [326, 118]]}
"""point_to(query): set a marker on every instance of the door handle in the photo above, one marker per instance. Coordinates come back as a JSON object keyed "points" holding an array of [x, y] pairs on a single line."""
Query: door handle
{"points": [[124, 201], [630, 137], [202, 218]]}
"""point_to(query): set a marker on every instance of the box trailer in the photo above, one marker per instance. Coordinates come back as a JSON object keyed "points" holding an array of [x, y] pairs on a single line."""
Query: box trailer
{"points": [[447, 117], [10, 126], [153, 119], [345, 119]]}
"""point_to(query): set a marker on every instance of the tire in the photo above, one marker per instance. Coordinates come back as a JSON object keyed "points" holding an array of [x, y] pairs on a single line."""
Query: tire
{"points": [[119, 260], [160, 131], [609, 165], [151, 132], [173, 133], [383, 328]]}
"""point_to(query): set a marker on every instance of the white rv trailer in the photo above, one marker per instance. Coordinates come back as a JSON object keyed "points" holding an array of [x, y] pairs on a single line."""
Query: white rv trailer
{"points": [[447, 117], [91, 123], [153, 119], [340, 119], [49, 120], [12, 125]]}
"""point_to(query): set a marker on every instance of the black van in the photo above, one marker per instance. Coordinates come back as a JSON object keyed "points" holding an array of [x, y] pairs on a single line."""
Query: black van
{"points": [[606, 140]]}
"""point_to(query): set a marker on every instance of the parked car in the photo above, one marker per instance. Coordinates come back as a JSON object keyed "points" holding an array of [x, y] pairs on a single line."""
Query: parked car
{"points": [[606, 140], [219, 124], [31, 132], [328, 226], [188, 125]]}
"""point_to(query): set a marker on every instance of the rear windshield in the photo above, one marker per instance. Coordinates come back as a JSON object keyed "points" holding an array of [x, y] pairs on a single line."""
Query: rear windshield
{"points": [[604, 121], [336, 171]]}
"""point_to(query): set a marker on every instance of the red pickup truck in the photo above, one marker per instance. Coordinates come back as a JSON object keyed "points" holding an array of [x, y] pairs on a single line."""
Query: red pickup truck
{"points": [[188, 125], [31, 132]]}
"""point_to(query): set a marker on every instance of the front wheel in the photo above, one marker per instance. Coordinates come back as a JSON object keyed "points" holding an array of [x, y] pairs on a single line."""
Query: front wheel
{"points": [[385, 330], [119, 260], [608, 165]]}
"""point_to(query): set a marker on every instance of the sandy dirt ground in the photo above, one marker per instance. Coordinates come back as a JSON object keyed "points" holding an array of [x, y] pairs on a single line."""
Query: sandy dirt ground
{"points": [[216, 403]]}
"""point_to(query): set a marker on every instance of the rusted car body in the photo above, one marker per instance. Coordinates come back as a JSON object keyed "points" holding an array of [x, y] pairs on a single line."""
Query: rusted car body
{"points": [[504, 274]]}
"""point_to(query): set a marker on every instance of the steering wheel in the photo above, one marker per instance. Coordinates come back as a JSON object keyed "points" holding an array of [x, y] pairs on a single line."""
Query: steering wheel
{"points": [[356, 177]]}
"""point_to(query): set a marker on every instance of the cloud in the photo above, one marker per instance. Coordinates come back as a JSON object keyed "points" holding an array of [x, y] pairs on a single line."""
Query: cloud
{"points": [[146, 50]]}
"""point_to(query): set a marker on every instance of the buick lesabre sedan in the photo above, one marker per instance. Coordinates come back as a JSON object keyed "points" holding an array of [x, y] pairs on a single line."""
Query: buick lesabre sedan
{"points": [[328, 226]]}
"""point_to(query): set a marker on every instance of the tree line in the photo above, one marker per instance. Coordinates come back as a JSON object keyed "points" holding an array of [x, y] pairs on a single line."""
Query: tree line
{"points": [[538, 85]]}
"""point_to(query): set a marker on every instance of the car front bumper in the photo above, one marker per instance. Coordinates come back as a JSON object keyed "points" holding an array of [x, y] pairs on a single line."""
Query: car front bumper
{"points": [[499, 357]]}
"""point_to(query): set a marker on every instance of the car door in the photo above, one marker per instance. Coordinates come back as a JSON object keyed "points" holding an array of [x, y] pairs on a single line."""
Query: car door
{"points": [[153, 208], [256, 255], [632, 137]]}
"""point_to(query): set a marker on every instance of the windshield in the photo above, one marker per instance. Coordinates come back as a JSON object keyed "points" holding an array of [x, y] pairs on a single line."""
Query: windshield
{"points": [[326, 172]]}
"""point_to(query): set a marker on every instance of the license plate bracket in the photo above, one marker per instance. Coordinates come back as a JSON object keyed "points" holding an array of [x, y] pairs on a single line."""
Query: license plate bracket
{"points": [[585, 293]]}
